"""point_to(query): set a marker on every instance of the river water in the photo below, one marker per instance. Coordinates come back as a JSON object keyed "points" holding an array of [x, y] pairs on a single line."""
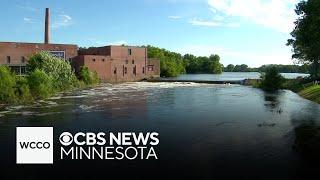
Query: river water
{"points": [[225, 76], [206, 131]]}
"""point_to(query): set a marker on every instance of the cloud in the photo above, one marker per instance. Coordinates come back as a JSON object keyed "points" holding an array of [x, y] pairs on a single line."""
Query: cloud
{"points": [[233, 25], [28, 20], [174, 17], [97, 42], [234, 56], [63, 20], [121, 42], [217, 22], [275, 14], [197, 22], [28, 8]]}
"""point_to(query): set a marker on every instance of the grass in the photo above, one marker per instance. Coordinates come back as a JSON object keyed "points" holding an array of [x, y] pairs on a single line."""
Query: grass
{"points": [[312, 93]]}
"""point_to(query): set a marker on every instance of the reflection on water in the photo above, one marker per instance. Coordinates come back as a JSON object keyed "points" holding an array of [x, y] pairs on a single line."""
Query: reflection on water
{"points": [[206, 131], [307, 140]]}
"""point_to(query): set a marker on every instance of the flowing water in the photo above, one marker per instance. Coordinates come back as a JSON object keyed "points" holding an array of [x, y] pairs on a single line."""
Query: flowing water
{"points": [[206, 131]]}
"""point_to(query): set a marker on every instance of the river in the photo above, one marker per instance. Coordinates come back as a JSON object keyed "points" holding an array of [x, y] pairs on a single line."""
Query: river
{"points": [[225, 76], [206, 131]]}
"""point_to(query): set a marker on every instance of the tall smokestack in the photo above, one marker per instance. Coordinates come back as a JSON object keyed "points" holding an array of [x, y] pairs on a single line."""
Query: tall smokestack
{"points": [[47, 27]]}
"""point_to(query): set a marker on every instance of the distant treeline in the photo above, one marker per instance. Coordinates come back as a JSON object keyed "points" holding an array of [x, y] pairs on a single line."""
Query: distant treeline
{"points": [[279, 67], [173, 64]]}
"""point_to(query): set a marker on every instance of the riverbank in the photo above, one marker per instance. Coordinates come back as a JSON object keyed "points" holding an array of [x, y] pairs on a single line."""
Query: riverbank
{"points": [[47, 76], [312, 93]]}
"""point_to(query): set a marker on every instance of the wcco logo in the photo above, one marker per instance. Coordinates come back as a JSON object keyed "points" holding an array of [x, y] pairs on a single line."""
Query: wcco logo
{"points": [[34, 145]]}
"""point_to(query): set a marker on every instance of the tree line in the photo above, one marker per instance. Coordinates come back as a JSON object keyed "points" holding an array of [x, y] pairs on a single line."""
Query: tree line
{"points": [[278, 67], [172, 63]]}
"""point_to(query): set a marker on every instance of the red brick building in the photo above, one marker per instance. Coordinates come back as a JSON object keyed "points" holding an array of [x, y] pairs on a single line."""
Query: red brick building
{"points": [[118, 63], [16, 54], [112, 63]]}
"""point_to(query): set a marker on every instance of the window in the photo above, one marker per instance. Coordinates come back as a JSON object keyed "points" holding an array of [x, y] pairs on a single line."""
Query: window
{"points": [[132, 61], [127, 61], [129, 52], [8, 59], [102, 60], [150, 68], [125, 70], [23, 70], [143, 70], [15, 69], [94, 60], [23, 60], [115, 71], [134, 70]]}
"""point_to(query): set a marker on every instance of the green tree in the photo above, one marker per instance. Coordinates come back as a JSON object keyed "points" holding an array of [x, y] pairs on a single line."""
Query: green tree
{"points": [[171, 63], [215, 66], [241, 68], [7, 85], [40, 84], [229, 68], [271, 80], [305, 39], [88, 77], [60, 70], [22, 90]]}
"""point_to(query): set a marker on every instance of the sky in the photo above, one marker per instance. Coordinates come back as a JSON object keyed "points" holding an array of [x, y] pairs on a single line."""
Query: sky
{"points": [[252, 32]]}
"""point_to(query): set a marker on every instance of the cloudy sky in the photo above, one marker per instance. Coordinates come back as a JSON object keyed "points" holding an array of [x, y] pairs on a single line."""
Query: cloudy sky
{"points": [[252, 32]]}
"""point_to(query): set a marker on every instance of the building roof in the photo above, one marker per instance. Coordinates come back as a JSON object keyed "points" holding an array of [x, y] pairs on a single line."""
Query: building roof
{"points": [[36, 43]]}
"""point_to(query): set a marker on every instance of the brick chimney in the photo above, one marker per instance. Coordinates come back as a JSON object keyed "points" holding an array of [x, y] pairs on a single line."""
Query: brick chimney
{"points": [[47, 27]]}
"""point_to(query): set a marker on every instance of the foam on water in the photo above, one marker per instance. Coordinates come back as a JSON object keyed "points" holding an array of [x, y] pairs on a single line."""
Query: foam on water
{"points": [[97, 97]]}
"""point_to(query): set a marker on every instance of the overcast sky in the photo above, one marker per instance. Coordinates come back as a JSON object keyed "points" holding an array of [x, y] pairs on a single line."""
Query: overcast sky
{"points": [[252, 32]]}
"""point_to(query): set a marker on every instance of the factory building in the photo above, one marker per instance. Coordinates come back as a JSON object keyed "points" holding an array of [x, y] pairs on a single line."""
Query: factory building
{"points": [[112, 63], [118, 63]]}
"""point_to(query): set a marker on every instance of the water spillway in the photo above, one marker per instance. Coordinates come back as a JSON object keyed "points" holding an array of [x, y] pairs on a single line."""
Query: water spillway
{"points": [[200, 81]]}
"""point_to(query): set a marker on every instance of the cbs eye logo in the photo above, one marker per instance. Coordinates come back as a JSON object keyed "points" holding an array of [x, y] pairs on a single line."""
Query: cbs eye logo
{"points": [[66, 138]]}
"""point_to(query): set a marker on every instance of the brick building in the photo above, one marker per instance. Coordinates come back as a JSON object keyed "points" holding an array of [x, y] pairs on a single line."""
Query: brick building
{"points": [[118, 63], [16, 54], [112, 63]]}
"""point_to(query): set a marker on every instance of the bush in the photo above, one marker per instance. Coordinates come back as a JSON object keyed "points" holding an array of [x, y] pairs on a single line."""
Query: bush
{"points": [[22, 90], [7, 84], [271, 80], [88, 77], [40, 84], [60, 70]]}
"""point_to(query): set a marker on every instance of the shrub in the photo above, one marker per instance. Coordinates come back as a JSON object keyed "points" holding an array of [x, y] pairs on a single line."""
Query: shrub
{"points": [[22, 90], [40, 84], [60, 70], [271, 80], [7, 84], [88, 77]]}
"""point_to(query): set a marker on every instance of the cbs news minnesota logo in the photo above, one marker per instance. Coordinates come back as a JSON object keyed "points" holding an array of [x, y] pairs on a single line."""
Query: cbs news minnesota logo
{"points": [[34, 145]]}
